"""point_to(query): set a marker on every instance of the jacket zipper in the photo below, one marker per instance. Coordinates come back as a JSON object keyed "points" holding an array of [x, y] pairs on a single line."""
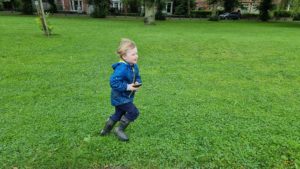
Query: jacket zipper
{"points": [[133, 81]]}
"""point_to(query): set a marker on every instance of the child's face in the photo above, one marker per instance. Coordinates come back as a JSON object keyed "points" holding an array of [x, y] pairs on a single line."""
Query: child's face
{"points": [[131, 56]]}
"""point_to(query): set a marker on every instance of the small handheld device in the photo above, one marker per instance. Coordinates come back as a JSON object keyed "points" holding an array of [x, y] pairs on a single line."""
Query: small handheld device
{"points": [[137, 85]]}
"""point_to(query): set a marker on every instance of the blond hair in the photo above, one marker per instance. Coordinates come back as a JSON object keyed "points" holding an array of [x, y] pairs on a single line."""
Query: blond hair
{"points": [[125, 45]]}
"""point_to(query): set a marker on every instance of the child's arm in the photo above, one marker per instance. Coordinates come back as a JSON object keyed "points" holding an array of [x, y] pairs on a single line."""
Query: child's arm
{"points": [[116, 80]]}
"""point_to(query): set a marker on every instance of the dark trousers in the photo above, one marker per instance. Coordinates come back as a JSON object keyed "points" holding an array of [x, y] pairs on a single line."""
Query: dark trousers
{"points": [[128, 110]]}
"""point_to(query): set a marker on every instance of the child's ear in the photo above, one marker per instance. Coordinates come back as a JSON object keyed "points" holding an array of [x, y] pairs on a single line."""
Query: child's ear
{"points": [[122, 57]]}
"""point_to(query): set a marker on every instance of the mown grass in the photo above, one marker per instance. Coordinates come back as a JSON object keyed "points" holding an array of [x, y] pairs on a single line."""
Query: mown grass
{"points": [[215, 95]]}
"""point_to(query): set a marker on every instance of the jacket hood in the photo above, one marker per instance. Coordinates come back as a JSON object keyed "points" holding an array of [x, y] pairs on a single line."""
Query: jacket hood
{"points": [[114, 66]]}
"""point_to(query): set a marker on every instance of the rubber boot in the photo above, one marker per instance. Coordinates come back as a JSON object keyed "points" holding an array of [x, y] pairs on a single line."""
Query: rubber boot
{"points": [[108, 126], [120, 130]]}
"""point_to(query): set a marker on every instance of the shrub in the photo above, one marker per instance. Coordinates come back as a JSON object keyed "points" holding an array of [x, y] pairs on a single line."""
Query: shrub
{"points": [[1, 6], [159, 14], [250, 16], [200, 14], [279, 14], [214, 18], [296, 17], [101, 8]]}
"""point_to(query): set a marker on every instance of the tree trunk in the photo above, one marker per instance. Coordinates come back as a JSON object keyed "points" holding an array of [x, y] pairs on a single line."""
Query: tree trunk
{"points": [[125, 5], [150, 11], [214, 10], [288, 7]]}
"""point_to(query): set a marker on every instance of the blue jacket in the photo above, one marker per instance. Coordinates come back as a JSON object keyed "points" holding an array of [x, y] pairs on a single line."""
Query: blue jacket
{"points": [[123, 75]]}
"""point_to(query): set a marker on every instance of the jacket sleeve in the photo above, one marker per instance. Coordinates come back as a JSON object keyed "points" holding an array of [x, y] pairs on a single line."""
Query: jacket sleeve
{"points": [[138, 77], [117, 79]]}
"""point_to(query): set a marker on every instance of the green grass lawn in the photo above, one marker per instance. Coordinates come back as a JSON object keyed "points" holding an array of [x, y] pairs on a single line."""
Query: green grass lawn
{"points": [[215, 94]]}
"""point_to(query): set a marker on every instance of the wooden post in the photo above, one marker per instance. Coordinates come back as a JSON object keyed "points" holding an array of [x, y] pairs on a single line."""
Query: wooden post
{"points": [[41, 13]]}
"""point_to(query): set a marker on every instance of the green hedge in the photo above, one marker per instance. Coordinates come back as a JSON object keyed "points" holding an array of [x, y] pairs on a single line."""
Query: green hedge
{"points": [[200, 14], [296, 17], [1, 6], [250, 16], [280, 14]]}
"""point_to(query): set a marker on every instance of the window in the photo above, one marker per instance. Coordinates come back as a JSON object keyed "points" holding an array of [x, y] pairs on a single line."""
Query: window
{"points": [[116, 5], [169, 7], [76, 5]]}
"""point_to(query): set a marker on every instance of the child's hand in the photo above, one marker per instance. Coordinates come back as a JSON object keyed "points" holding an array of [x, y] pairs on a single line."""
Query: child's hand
{"points": [[131, 88]]}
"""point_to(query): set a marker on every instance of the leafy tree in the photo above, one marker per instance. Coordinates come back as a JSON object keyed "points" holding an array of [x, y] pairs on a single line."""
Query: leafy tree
{"points": [[101, 8], [183, 7], [27, 7], [53, 8], [160, 7], [214, 13], [229, 5], [264, 9]]}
